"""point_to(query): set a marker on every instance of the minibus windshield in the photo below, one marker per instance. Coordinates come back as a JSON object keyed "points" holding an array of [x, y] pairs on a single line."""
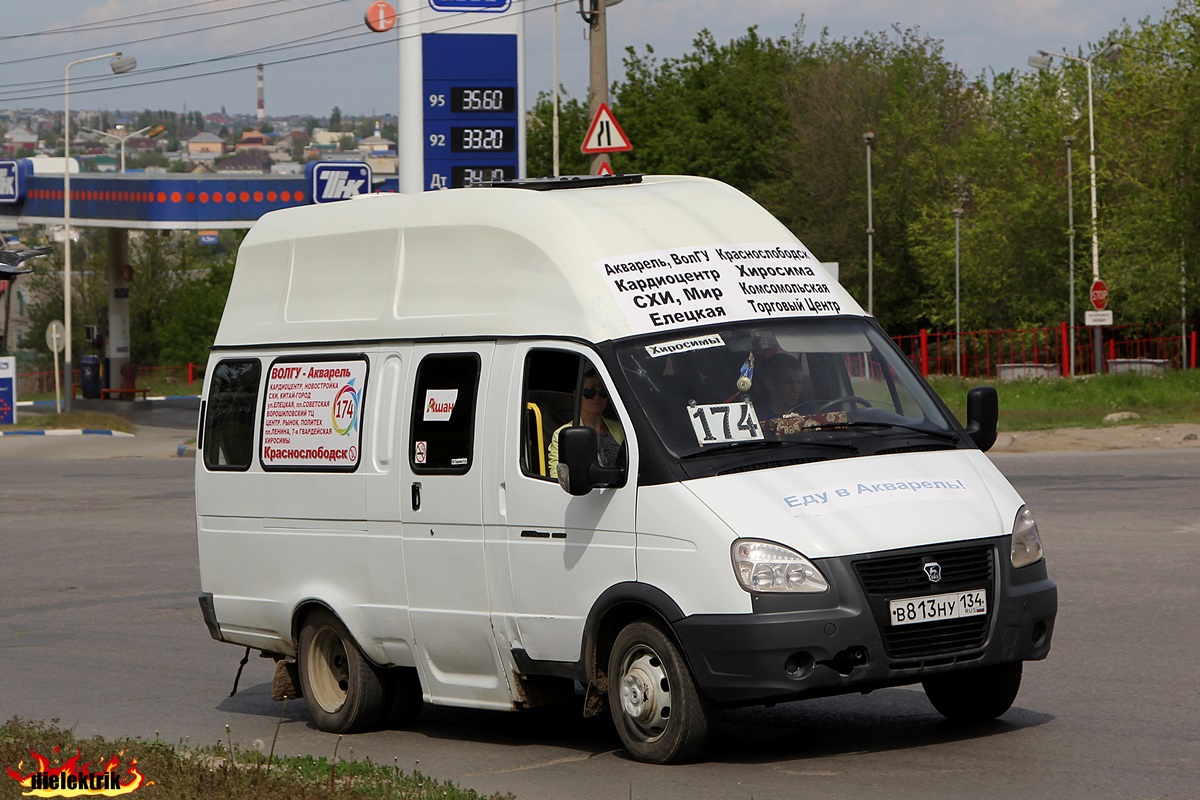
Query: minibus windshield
{"points": [[833, 383]]}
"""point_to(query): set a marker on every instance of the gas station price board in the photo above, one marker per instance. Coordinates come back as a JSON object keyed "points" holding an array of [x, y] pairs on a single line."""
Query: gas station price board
{"points": [[472, 114]]}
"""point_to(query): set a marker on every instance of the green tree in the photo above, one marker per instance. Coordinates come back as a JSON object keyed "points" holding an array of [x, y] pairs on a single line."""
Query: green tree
{"points": [[717, 111], [194, 314]]}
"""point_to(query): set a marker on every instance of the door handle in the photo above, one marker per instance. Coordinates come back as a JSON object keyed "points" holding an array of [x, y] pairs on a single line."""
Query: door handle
{"points": [[416, 496]]}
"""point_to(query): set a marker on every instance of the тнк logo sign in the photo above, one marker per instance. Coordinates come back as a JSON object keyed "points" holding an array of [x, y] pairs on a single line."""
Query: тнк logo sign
{"points": [[10, 186], [333, 181]]}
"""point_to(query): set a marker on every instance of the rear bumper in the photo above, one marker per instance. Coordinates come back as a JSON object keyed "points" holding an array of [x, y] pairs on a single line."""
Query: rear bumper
{"points": [[796, 647], [209, 611]]}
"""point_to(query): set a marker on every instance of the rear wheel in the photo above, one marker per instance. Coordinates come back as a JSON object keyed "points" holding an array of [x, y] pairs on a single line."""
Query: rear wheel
{"points": [[975, 695], [658, 712], [344, 691]]}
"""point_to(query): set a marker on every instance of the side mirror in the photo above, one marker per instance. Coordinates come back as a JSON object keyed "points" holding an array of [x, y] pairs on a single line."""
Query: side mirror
{"points": [[983, 416], [578, 470]]}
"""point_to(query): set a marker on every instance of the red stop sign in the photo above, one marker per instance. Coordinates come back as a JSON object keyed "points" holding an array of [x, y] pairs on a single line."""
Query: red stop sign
{"points": [[1099, 294]]}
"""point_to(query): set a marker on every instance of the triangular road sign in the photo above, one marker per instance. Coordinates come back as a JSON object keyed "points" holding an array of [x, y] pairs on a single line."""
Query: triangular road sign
{"points": [[605, 135], [605, 169]]}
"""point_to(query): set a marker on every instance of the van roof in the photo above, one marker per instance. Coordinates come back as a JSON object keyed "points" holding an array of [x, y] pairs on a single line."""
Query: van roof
{"points": [[504, 261]]}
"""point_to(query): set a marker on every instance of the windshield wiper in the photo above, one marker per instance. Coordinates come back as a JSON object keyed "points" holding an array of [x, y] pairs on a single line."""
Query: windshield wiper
{"points": [[943, 435], [708, 451]]}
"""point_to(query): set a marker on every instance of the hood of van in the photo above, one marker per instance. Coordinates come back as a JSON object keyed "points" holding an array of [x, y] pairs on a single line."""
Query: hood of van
{"points": [[864, 505]]}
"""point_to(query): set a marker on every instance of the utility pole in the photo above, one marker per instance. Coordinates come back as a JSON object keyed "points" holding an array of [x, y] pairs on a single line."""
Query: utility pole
{"points": [[869, 139], [598, 72], [1070, 142]]}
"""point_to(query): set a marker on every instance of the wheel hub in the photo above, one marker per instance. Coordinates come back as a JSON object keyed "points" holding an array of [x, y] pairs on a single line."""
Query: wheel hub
{"points": [[329, 668], [646, 694]]}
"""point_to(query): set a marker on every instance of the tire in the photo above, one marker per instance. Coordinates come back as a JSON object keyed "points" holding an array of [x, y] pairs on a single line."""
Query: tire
{"points": [[975, 695], [404, 701], [345, 692], [655, 706]]}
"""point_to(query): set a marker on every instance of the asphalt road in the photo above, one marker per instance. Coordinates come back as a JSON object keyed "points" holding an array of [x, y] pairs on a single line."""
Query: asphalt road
{"points": [[100, 629]]}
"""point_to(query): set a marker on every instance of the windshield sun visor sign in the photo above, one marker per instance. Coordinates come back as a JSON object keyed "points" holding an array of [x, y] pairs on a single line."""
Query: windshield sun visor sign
{"points": [[684, 345], [684, 287]]}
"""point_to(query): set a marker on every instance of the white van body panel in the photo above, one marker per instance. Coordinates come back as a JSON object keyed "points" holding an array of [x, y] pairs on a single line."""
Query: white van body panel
{"points": [[683, 548], [272, 541], [446, 571], [562, 552], [549, 243], [854, 506]]}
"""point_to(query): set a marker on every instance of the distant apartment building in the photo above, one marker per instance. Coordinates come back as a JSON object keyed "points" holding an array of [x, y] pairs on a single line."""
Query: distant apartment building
{"points": [[380, 153], [205, 147], [20, 140], [253, 140]]}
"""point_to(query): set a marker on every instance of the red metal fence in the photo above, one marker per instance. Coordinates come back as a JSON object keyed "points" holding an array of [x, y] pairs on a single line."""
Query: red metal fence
{"points": [[182, 380], [991, 355], [1045, 352]]}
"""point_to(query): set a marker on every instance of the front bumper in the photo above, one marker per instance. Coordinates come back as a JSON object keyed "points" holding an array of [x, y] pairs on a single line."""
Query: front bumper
{"points": [[796, 646]]}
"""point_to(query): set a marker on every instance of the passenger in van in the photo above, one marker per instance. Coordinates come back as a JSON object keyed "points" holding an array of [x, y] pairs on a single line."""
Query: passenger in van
{"points": [[610, 436], [783, 387]]}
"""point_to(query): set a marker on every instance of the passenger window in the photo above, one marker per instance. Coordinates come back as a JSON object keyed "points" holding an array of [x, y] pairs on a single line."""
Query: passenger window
{"points": [[229, 420], [560, 389], [443, 420]]}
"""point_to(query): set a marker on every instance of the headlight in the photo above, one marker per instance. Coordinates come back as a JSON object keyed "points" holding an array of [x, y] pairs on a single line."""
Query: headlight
{"points": [[768, 567], [1026, 545]]}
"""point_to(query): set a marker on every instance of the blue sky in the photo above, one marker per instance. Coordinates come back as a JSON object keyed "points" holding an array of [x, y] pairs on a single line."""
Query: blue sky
{"points": [[978, 36]]}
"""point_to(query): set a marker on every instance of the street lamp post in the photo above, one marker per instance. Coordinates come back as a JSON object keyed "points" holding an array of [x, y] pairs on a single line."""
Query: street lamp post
{"points": [[119, 64], [1070, 141], [869, 139], [958, 213], [1042, 61], [121, 138]]}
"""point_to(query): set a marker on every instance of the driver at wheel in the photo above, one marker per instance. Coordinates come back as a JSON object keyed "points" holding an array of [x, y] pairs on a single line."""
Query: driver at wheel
{"points": [[784, 386]]}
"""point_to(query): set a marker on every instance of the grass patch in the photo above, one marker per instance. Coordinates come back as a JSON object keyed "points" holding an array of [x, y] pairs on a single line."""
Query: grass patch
{"points": [[1083, 402], [182, 772], [69, 420]]}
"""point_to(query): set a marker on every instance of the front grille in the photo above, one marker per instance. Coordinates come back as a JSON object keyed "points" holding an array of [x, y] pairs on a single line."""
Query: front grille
{"points": [[892, 577], [962, 568], [931, 639]]}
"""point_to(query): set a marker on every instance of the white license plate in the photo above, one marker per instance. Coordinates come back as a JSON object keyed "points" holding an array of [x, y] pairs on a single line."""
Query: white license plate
{"points": [[938, 607]]}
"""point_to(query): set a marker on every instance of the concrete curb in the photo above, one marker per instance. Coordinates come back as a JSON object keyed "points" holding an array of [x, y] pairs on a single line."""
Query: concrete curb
{"points": [[68, 432]]}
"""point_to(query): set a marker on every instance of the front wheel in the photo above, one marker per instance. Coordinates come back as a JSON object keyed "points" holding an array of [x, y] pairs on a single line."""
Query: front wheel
{"points": [[656, 708], [975, 695], [345, 692]]}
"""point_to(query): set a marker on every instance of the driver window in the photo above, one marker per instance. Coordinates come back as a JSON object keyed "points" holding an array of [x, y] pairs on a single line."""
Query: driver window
{"points": [[561, 388]]}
